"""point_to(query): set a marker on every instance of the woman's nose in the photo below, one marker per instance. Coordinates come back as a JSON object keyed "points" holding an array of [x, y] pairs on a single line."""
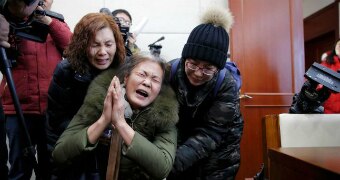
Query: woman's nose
{"points": [[199, 72], [102, 50], [147, 82]]}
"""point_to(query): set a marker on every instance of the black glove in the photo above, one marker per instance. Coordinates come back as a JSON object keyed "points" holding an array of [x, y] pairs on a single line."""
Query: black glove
{"points": [[309, 99]]}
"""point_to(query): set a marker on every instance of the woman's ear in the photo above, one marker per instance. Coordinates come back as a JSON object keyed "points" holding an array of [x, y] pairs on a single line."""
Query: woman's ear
{"points": [[126, 77]]}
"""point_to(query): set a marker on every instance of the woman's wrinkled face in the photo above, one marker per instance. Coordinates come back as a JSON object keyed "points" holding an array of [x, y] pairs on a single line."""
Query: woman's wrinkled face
{"points": [[199, 72], [102, 49], [143, 84]]}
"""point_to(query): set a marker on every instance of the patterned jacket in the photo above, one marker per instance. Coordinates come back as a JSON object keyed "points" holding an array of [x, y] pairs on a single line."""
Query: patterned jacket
{"points": [[209, 129], [152, 152]]}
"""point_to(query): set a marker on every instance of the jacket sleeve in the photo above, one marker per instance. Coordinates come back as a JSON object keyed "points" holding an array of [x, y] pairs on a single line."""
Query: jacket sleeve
{"points": [[59, 93], [73, 142], [155, 157], [222, 123], [60, 33]]}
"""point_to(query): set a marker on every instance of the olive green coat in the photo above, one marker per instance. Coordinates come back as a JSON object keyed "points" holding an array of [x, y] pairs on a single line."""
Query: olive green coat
{"points": [[152, 152]]}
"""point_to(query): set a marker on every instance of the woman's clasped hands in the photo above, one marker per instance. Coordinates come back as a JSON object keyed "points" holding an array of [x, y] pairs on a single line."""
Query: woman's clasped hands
{"points": [[118, 108], [113, 110]]}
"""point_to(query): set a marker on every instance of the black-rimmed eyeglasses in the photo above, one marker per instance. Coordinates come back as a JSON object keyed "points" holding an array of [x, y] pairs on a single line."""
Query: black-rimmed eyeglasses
{"points": [[123, 22], [205, 71]]}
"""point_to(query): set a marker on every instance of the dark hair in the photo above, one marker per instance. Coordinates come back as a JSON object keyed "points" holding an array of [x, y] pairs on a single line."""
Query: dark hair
{"points": [[138, 58], [331, 54], [117, 11], [84, 33], [29, 2], [105, 11]]}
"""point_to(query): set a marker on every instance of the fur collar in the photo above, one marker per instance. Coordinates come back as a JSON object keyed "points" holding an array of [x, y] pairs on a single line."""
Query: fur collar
{"points": [[162, 113]]}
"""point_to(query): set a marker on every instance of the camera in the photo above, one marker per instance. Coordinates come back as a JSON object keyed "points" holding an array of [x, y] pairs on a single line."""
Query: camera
{"points": [[312, 95], [124, 30], [31, 29]]}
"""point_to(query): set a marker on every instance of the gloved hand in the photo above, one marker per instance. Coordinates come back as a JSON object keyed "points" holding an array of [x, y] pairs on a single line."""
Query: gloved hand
{"points": [[310, 98]]}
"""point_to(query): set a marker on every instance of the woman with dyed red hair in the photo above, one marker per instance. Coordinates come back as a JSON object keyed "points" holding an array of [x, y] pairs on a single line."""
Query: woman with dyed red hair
{"points": [[96, 46]]}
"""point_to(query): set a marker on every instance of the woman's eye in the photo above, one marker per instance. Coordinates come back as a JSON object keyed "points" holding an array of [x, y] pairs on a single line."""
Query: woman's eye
{"points": [[94, 45], [211, 68], [156, 80], [109, 44], [141, 74]]}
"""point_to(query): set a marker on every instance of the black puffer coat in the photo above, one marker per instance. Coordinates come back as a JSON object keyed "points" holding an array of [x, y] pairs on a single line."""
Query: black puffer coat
{"points": [[209, 129], [66, 94]]}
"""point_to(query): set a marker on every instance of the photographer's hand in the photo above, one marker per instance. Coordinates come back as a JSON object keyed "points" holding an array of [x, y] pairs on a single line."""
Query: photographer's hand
{"points": [[131, 43], [44, 19], [132, 39], [310, 98], [4, 31]]}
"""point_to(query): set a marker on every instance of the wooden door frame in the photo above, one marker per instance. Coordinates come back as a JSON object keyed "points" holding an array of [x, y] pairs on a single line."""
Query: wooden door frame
{"points": [[322, 22], [317, 28], [266, 41]]}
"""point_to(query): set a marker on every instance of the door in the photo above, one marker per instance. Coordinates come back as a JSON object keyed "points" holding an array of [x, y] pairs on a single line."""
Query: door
{"points": [[321, 31], [314, 48], [267, 45]]}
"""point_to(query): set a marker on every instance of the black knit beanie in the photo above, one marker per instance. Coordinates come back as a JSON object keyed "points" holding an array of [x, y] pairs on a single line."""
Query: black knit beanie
{"points": [[209, 41]]}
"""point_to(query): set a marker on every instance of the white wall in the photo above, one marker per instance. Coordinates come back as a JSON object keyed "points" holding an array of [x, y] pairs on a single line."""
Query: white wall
{"points": [[173, 19], [311, 6]]}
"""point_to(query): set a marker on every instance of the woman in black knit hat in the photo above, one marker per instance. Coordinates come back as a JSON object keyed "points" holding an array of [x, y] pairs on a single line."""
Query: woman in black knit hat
{"points": [[210, 125]]}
